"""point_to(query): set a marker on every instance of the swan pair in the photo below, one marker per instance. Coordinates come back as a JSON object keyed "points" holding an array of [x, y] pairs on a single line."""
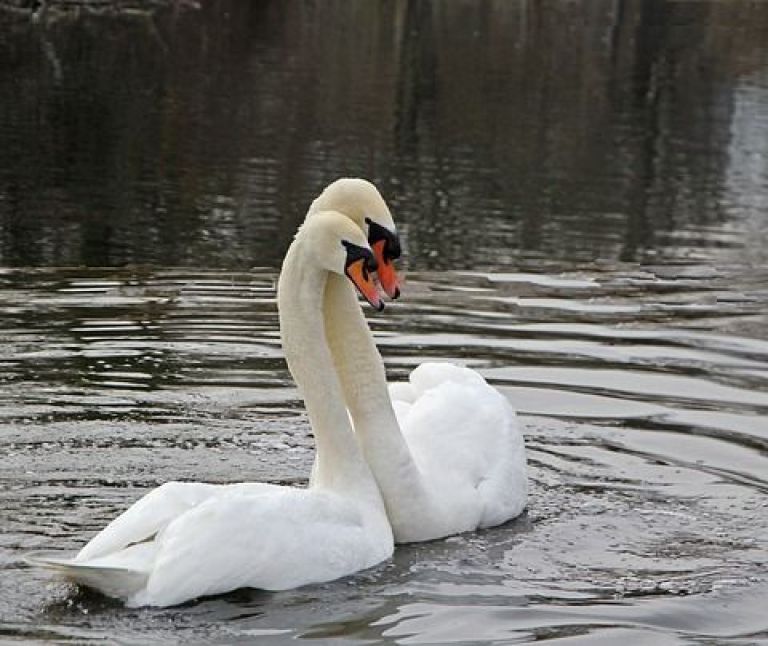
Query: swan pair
{"points": [[438, 455]]}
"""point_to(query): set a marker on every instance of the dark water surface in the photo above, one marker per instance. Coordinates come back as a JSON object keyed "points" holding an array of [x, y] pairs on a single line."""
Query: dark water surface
{"points": [[582, 189]]}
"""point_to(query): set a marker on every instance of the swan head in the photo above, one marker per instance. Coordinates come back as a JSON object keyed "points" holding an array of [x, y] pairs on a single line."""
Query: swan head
{"points": [[338, 245], [362, 203]]}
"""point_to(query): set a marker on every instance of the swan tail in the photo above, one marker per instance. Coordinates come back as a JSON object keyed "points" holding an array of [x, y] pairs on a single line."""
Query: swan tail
{"points": [[146, 517], [121, 582]]}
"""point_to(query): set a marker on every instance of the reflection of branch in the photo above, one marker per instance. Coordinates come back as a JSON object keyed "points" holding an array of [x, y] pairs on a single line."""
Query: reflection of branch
{"points": [[101, 7], [19, 11], [50, 54], [41, 13], [155, 33]]}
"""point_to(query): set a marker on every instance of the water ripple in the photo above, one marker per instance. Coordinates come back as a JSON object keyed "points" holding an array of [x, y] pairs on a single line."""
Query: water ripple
{"points": [[645, 417]]}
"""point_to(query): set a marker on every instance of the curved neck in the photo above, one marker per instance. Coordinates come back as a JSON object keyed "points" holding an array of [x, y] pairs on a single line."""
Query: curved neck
{"points": [[339, 462], [355, 356], [361, 371]]}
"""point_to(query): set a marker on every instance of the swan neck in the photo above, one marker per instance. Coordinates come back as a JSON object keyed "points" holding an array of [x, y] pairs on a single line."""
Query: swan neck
{"points": [[339, 461], [355, 356], [361, 371]]}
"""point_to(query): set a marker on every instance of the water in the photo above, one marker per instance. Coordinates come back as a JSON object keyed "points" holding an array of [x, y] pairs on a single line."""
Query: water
{"points": [[581, 190]]}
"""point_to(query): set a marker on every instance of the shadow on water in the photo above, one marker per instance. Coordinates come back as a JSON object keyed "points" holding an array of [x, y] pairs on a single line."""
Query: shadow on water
{"points": [[581, 191]]}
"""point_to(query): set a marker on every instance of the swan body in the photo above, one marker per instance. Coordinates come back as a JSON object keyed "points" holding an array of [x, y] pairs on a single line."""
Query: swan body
{"points": [[462, 435], [445, 446], [186, 540]]}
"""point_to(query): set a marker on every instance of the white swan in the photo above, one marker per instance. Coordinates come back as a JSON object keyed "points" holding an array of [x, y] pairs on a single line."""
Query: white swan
{"points": [[185, 540], [444, 447]]}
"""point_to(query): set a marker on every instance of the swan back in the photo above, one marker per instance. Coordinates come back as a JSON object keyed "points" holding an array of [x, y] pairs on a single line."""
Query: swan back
{"points": [[463, 435]]}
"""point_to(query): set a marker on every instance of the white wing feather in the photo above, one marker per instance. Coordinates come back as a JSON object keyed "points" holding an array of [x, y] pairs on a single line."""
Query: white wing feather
{"points": [[186, 540], [464, 437]]}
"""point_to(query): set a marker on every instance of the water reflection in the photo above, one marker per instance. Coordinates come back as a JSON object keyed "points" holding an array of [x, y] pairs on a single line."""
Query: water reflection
{"points": [[609, 129]]}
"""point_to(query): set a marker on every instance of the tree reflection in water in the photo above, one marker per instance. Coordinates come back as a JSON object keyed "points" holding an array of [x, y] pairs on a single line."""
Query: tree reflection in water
{"points": [[497, 129]]}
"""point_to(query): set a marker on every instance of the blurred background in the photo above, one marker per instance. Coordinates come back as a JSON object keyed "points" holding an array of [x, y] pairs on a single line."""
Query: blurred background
{"points": [[611, 129]]}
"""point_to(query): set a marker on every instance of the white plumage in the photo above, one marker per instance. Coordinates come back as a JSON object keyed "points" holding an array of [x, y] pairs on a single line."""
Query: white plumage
{"points": [[444, 449], [463, 437], [186, 540]]}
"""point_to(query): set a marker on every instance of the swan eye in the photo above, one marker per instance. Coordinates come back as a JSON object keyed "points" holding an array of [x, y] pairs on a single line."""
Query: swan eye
{"points": [[386, 247], [356, 252], [358, 267], [386, 239]]}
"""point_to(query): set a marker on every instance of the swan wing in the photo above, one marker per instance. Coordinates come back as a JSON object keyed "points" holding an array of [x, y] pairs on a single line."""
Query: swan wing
{"points": [[147, 516], [463, 435], [271, 540], [224, 538], [119, 559]]}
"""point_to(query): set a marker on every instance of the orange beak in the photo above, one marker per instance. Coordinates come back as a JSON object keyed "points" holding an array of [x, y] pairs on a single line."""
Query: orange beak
{"points": [[358, 273], [386, 271]]}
